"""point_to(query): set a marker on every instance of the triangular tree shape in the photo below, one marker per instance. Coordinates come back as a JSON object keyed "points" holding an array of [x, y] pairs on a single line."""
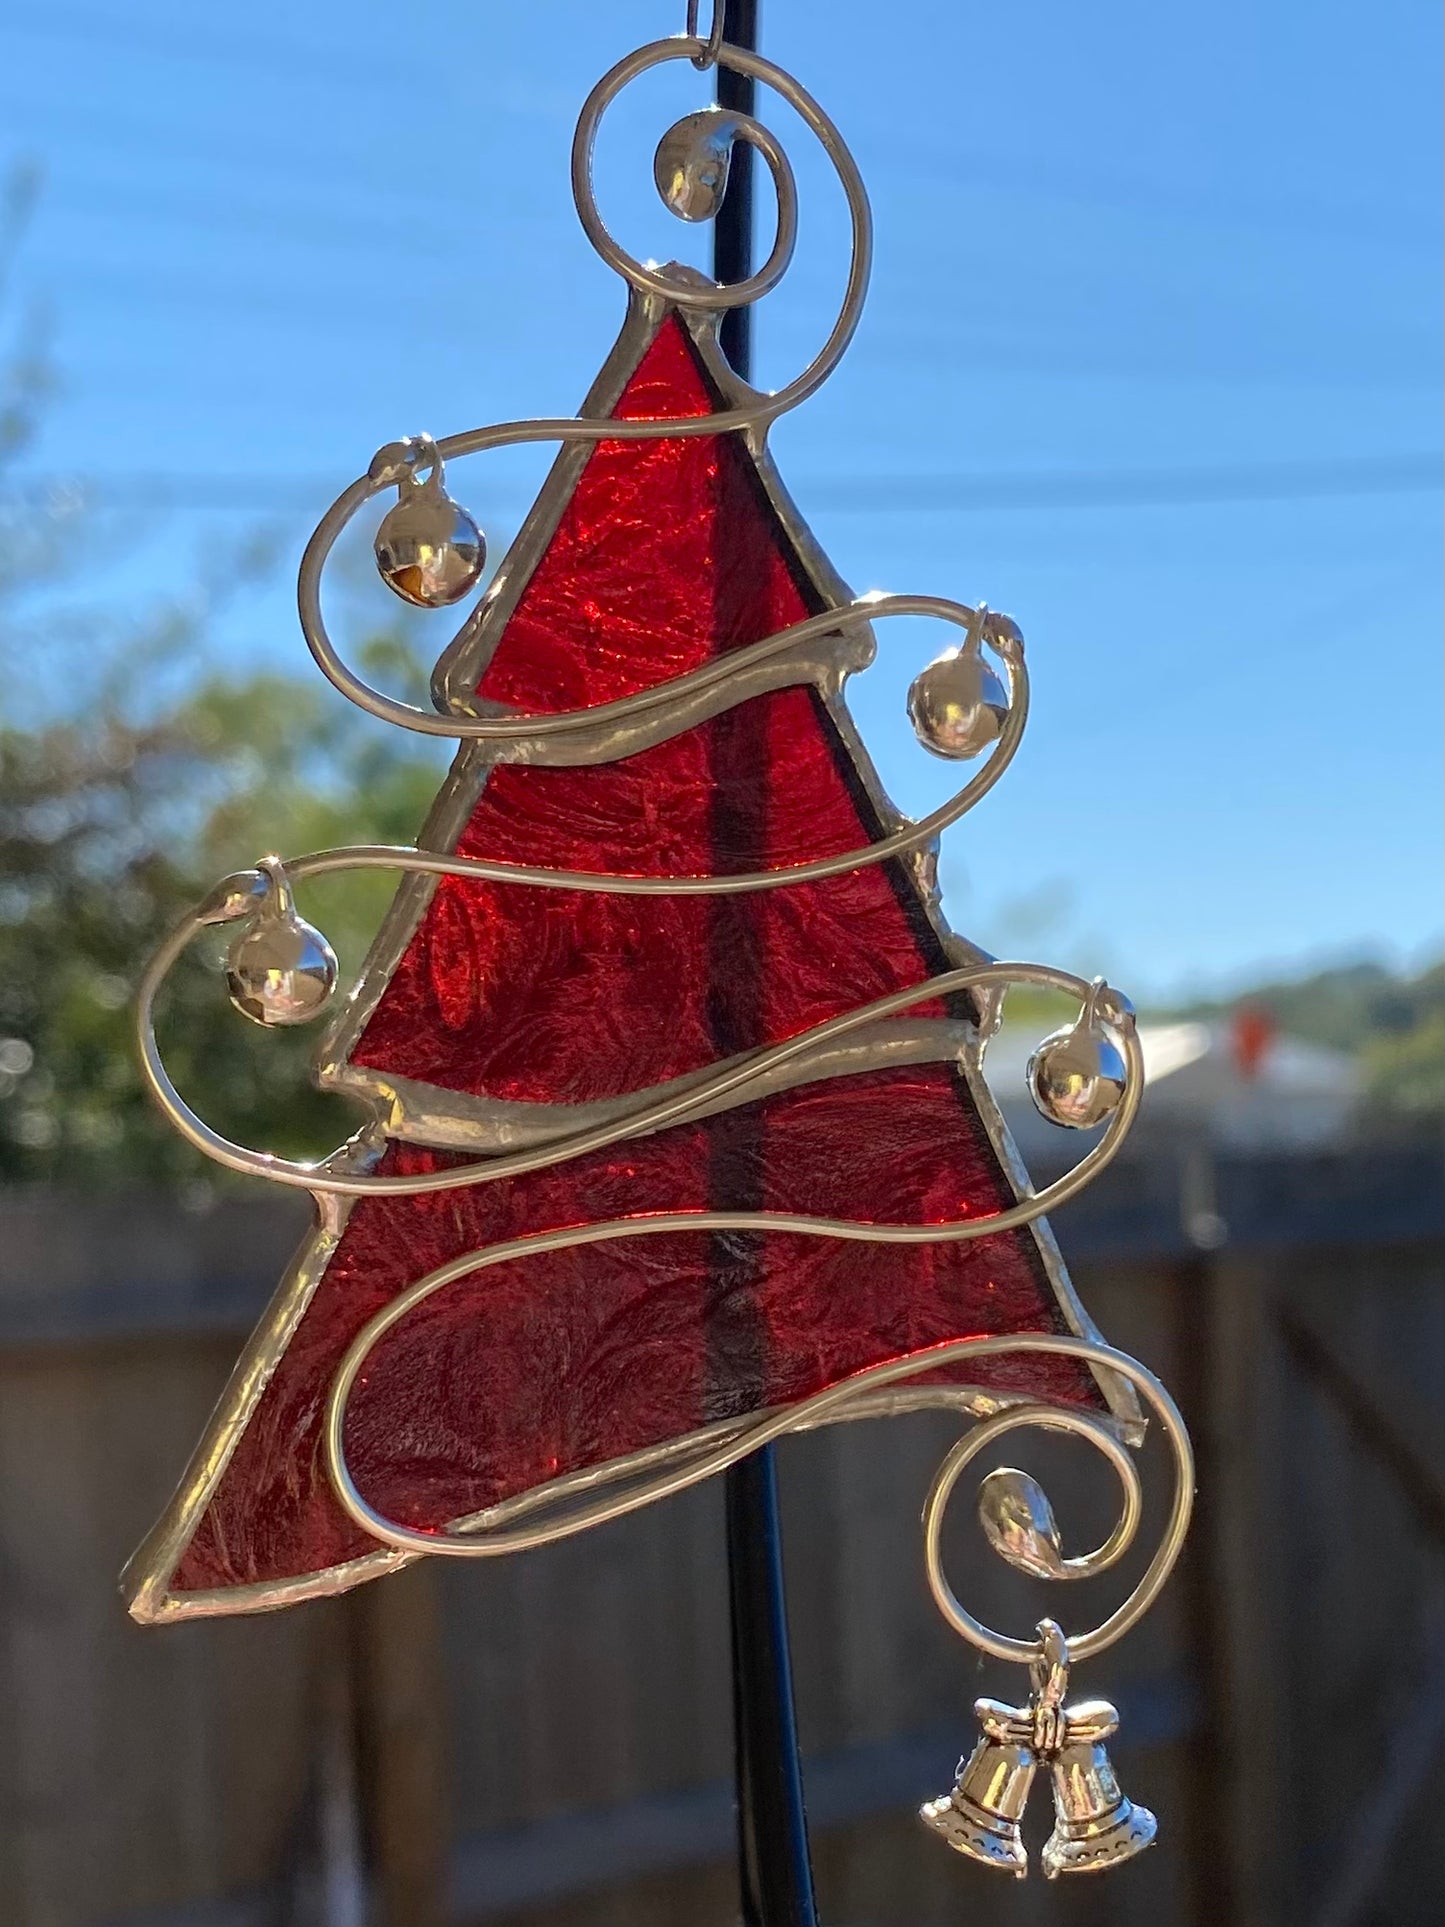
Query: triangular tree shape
{"points": [[482, 1001]]}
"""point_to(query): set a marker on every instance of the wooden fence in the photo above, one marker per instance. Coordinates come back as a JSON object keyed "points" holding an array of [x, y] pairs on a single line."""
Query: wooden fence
{"points": [[547, 1740]]}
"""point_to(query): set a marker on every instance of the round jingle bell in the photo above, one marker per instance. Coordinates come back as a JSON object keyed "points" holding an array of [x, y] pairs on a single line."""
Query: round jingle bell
{"points": [[692, 161], [429, 551], [1019, 1523], [280, 970], [1077, 1077], [957, 705]]}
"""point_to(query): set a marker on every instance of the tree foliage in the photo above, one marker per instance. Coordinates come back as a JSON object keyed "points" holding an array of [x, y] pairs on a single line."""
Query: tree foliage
{"points": [[1393, 1023], [131, 779], [109, 830]]}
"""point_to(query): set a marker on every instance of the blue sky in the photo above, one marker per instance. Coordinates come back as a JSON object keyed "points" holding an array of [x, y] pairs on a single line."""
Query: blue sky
{"points": [[1130, 253]]}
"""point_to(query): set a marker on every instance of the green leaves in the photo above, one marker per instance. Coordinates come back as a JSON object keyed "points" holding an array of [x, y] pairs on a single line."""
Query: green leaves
{"points": [[109, 830]]}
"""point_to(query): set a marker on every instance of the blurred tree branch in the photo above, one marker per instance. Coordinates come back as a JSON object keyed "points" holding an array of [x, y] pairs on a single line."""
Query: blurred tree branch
{"points": [[132, 775]]}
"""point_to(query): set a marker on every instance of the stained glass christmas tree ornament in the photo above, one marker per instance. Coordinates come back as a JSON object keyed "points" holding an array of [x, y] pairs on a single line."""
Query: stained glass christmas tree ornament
{"points": [[680, 1137]]}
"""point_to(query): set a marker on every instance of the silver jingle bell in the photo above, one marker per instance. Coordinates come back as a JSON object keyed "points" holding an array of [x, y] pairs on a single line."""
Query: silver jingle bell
{"points": [[692, 161], [957, 705], [1019, 1523], [280, 969], [429, 551], [1096, 1826], [1077, 1077], [980, 1817]]}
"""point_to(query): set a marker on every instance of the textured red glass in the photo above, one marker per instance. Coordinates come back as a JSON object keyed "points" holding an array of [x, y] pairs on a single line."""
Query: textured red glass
{"points": [[667, 554]]}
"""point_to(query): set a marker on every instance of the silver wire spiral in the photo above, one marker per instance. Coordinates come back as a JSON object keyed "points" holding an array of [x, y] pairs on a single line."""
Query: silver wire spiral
{"points": [[582, 1499]]}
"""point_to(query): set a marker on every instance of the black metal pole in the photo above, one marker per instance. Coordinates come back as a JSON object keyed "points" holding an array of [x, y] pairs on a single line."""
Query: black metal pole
{"points": [[775, 1873], [732, 238]]}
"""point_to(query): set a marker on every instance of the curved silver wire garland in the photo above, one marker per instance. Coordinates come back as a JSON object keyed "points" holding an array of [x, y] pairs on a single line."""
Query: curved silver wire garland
{"points": [[757, 412], [556, 1508], [731, 1078], [478, 1540]]}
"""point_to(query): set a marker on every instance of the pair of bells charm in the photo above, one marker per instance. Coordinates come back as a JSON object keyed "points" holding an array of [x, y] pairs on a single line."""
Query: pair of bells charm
{"points": [[1095, 1826]]}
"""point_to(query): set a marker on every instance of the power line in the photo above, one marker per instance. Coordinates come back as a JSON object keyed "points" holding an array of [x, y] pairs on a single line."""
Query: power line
{"points": [[370, 229], [107, 132], [258, 493], [1136, 488], [912, 494], [299, 63]]}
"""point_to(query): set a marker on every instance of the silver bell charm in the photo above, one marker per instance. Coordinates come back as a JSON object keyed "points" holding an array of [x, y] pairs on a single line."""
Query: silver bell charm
{"points": [[1077, 1077], [980, 1817], [957, 705], [1096, 1827], [428, 549], [280, 969]]}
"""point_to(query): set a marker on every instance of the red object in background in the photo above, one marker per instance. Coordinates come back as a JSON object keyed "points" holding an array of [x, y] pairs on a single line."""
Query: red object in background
{"points": [[668, 553], [1252, 1031]]}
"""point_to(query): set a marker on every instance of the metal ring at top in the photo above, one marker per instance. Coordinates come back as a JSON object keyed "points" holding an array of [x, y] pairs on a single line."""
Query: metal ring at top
{"points": [[422, 455], [709, 56]]}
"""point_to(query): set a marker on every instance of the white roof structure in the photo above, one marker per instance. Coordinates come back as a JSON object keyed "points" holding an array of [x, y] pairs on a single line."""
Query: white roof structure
{"points": [[1299, 1096]]}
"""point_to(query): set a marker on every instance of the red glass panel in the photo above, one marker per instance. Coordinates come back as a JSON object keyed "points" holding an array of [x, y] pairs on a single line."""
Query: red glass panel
{"points": [[667, 554]]}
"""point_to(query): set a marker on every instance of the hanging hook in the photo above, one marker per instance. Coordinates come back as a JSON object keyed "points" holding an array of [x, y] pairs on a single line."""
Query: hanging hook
{"points": [[708, 57]]}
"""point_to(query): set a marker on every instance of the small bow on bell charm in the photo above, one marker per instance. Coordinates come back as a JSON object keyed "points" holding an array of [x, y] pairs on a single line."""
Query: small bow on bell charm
{"points": [[1095, 1825]]}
